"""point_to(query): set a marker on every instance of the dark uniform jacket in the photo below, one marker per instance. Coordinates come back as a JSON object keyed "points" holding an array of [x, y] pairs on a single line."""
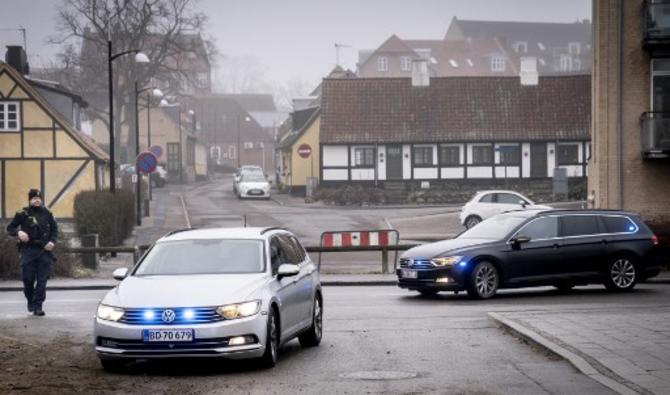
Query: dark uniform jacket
{"points": [[38, 223]]}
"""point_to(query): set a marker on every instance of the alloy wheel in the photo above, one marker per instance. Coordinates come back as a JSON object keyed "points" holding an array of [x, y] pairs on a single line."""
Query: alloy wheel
{"points": [[486, 280], [318, 318], [622, 273], [273, 337], [472, 221]]}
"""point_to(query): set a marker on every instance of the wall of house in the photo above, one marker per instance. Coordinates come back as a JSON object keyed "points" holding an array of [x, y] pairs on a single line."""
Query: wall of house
{"points": [[339, 163], [302, 168], [41, 155], [644, 185]]}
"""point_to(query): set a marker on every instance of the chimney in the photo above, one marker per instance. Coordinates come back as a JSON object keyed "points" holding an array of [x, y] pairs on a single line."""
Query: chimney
{"points": [[17, 58], [528, 74], [420, 76]]}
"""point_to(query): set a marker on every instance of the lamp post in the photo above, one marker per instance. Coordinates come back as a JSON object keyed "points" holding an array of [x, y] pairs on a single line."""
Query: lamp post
{"points": [[139, 58], [138, 186], [239, 131], [157, 93]]}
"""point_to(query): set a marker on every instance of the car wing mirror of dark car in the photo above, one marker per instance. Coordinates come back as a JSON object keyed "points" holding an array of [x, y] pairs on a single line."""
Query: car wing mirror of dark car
{"points": [[518, 240], [287, 270]]}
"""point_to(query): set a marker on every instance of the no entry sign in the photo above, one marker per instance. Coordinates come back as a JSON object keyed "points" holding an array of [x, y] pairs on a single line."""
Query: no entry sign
{"points": [[146, 162], [304, 150], [156, 150]]}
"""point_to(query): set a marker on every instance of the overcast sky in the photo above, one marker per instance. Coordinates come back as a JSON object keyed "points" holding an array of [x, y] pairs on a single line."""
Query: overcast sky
{"points": [[294, 39]]}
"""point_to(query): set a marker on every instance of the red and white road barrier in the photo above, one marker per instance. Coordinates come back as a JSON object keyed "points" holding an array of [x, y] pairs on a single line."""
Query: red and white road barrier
{"points": [[359, 238]]}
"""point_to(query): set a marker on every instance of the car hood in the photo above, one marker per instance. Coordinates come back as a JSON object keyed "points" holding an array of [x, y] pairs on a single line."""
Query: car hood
{"points": [[444, 247], [184, 291]]}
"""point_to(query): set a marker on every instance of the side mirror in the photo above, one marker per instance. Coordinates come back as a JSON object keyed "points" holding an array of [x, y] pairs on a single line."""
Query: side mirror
{"points": [[518, 240], [287, 270], [120, 273], [523, 203]]}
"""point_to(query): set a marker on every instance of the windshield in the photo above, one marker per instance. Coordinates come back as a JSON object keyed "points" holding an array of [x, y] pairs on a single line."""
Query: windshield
{"points": [[253, 177], [203, 257], [494, 228]]}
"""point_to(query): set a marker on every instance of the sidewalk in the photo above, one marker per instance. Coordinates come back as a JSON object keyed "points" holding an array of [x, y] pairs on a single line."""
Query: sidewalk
{"points": [[625, 349]]}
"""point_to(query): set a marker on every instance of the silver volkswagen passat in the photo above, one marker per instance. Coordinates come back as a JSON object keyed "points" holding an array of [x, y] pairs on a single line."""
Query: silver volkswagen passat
{"points": [[229, 292]]}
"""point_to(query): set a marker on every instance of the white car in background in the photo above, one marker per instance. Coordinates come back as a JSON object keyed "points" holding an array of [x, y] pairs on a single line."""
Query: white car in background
{"points": [[486, 204], [245, 170], [253, 185]]}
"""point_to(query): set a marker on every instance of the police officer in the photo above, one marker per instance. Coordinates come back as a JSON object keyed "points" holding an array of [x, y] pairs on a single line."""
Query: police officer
{"points": [[37, 232]]}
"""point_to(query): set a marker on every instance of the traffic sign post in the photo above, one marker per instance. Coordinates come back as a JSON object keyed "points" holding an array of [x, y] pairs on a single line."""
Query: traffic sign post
{"points": [[145, 163]]}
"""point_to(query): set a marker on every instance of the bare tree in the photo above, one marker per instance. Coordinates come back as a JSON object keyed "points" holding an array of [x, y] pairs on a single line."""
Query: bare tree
{"points": [[241, 74], [168, 31]]}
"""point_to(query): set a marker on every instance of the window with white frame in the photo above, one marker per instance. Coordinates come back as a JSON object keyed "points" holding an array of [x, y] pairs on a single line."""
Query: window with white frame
{"points": [[423, 156], [232, 152], [574, 48], [382, 63], [406, 63], [520, 47], [9, 117], [248, 145], [202, 80], [497, 63], [364, 157], [567, 154], [482, 155], [510, 155], [215, 153], [565, 62], [450, 155]]}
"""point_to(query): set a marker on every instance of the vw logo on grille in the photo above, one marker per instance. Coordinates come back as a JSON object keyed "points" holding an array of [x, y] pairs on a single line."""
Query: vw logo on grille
{"points": [[168, 316]]}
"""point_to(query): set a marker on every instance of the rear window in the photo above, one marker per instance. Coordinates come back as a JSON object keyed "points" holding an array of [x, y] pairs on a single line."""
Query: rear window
{"points": [[579, 225], [619, 224]]}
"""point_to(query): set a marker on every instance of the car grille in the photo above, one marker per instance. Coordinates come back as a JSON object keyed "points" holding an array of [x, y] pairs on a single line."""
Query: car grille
{"points": [[139, 345], [416, 263], [201, 315]]}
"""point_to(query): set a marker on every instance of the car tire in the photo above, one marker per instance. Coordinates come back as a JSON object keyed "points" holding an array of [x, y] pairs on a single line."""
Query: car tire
{"points": [[428, 293], [312, 337], [472, 221], [269, 358], [483, 281], [622, 274], [113, 365]]}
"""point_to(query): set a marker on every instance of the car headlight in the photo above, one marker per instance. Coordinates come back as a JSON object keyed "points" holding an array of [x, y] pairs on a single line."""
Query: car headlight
{"points": [[239, 310], [109, 313], [446, 261]]}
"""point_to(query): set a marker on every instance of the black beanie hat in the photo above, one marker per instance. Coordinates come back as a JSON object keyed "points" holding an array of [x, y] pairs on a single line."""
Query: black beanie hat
{"points": [[34, 193]]}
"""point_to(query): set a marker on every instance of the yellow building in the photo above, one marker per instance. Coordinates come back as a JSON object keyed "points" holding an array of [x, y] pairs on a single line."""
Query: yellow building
{"points": [[39, 148], [299, 151]]}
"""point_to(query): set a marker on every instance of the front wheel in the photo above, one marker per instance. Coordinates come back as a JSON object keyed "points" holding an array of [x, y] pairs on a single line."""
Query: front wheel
{"points": [[312, 337], [483, 281], [269, 358], [621, 274]]}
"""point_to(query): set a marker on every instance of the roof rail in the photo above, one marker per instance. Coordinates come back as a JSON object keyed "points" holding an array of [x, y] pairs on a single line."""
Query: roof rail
{"points": [[264, 231], [170, 233]]}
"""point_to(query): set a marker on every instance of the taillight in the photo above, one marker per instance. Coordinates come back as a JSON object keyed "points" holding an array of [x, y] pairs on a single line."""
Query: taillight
{"points": [[654, 240]]}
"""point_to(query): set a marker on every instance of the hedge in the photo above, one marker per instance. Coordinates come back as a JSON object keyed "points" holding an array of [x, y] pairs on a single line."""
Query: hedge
{"points": [[65, 265], [110, 215]]}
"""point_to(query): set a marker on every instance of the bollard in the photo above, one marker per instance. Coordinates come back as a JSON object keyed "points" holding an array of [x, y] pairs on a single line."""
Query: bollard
{"points": [[385, 261], [90, 259]]}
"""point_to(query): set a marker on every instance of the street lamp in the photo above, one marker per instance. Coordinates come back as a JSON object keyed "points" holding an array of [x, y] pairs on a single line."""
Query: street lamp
{"points": [[139, 58], [239, 152], [138, 186], [157, 93]]}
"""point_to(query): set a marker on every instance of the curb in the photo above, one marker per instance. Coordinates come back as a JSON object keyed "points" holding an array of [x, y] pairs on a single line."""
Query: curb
{"points": [[574, 359], [108, 287]]}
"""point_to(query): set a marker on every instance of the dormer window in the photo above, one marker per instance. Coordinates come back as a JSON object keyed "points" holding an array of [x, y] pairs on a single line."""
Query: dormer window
{"points": [[520, 47], [574, 48], [406, 63], [497, 63], [382, 63], [9, 117]]}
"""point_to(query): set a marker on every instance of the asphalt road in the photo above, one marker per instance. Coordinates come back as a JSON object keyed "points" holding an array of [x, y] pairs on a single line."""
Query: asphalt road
{"points": [[376, 339]]}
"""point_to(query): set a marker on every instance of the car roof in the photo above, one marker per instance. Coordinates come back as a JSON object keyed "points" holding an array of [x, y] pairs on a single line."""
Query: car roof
{"points": [[535, 212], [250, 233], [499, 191]]}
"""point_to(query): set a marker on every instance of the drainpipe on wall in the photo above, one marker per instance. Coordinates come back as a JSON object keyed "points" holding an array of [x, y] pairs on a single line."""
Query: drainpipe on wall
{"points": [[620, 121]]}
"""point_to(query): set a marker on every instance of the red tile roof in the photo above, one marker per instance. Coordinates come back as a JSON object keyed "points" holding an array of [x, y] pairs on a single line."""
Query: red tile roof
{"points": [[375, 110]]}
